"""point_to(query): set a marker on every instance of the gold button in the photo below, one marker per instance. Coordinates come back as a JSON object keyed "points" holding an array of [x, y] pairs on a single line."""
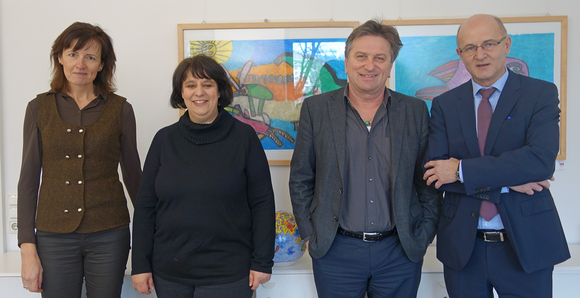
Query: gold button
{"points": [[80, 209], [68, 130], [66, 182], [66, 211], [80, 182], [66, 156], [80, 156], [81, 130]]}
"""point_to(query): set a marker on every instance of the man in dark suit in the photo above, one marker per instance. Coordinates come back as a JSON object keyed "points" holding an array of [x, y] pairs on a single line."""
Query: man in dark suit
{"points": [[481, 142], [356, 177]]}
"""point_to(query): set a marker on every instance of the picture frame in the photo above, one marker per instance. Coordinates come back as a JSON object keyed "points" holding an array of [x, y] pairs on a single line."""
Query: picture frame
{"points": [[272, 66], [428, 64]]}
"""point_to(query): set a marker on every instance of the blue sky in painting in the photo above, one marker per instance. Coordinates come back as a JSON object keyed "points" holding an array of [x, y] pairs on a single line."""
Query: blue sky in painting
{"points": [[266, 51]]}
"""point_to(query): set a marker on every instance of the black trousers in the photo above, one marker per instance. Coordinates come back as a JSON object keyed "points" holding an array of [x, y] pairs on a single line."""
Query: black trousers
{"points": [[169, 289], [99, 258]]}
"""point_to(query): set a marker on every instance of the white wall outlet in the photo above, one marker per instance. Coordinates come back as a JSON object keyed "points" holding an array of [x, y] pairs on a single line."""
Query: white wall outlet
{"points": [[12, 227]]}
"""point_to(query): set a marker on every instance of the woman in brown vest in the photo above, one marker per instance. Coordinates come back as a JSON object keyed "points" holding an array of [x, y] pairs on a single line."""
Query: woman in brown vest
{"points": [[75, 225]]}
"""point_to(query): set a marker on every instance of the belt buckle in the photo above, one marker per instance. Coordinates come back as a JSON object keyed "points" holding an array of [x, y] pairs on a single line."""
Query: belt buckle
{"points": [[369, 234], [501, 239]]}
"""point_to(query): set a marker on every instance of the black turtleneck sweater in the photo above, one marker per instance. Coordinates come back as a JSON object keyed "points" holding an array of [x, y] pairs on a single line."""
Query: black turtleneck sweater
{"points": [[204, 214]]}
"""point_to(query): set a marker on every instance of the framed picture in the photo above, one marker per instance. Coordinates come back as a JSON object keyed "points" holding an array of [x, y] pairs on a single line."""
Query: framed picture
{"points": [[428, 64], [273, 67]]}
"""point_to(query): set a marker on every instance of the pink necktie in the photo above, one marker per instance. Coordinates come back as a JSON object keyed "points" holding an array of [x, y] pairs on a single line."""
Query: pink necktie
{"points": [[488, 209]]}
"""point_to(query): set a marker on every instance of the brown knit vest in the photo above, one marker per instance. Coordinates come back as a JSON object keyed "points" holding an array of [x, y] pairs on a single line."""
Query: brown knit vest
{"points": [[80, 190]]}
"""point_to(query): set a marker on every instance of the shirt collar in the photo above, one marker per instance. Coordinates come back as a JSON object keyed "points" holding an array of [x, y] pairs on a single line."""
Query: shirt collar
{"points": [[103, 95], [499, 84]]}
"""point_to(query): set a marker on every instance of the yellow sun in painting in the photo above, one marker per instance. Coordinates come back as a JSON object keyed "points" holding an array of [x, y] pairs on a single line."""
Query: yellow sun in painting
{"points": [[219, 50]]}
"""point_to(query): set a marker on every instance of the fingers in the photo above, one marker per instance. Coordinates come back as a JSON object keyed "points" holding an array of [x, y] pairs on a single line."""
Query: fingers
{"points": [[142, 288], [429, 164], [143, 283], [428, 174], [257, 278], [254, 284], [251, 280], [39, 287], [31, 268], [543, 184], [33, 287]]}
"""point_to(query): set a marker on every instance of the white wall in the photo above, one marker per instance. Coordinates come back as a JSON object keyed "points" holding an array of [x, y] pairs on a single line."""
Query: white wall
{"points": [[145, 39]]}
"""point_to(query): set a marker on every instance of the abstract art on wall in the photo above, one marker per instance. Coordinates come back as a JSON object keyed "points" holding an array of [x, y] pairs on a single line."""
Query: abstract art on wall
{"points": [[272, 67]]}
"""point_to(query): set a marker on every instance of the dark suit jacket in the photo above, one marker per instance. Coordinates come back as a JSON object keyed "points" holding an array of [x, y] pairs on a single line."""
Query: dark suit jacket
{"points": [[317, 171], [521, 147]]}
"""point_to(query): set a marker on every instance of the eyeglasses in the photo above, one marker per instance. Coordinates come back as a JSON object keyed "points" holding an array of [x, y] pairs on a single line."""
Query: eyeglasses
{"points": [[489, 45]]}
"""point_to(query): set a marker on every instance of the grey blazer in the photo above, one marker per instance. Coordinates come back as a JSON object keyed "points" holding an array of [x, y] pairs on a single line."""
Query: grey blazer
{"points": [[317, 171]]}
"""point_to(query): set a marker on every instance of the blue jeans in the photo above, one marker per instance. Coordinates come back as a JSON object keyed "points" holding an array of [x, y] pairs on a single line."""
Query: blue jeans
{"points": [[99, 258], [169, 289]]}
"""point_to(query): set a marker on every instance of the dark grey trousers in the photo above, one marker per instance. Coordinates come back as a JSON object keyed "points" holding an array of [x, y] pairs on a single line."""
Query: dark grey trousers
{"points": [[99, 258]]}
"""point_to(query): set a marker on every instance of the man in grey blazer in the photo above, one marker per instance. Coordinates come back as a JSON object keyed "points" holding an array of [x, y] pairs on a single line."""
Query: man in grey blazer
{"points": [[356, 177]]}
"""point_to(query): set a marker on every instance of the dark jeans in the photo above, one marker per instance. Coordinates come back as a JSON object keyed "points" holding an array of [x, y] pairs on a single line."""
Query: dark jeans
{"points": [[352, 268], [169, 289], [100, 258]]}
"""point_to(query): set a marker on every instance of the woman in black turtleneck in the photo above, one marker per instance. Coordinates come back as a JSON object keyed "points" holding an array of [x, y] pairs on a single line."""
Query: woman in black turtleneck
{"points": [[204, 221]]}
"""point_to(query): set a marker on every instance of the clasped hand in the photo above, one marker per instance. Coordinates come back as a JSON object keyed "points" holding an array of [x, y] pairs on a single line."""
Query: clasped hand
{"points": [[441, 171]]}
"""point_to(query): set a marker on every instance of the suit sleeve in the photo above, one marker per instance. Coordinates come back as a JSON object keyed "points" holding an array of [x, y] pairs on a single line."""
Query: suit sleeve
{"points": [[532, 160], [302, 173], [525, 150], [438, 148], [429, 197]]}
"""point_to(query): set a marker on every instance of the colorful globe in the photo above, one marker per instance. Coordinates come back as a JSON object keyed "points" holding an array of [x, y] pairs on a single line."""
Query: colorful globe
{"points": [[289, 246]]}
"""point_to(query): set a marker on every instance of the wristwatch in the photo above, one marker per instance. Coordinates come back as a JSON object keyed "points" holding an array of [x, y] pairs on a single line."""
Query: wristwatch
{"points": [[457, 176]]}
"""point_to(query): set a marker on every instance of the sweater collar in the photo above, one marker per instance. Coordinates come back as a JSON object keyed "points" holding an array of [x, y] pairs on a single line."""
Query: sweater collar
{"points": [[206, 133]]}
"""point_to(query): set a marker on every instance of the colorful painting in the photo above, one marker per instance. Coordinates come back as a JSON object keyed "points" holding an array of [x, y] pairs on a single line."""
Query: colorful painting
{"points": [[271, 78], [428, 64], [272, 72]]}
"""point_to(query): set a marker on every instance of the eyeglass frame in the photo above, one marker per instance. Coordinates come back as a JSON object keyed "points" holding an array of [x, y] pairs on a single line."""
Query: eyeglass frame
{"points": [[487, 46]]}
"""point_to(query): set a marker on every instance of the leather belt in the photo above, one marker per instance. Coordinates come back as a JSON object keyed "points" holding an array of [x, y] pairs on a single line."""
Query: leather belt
{"points": [[367, 237], [492, 236]]}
